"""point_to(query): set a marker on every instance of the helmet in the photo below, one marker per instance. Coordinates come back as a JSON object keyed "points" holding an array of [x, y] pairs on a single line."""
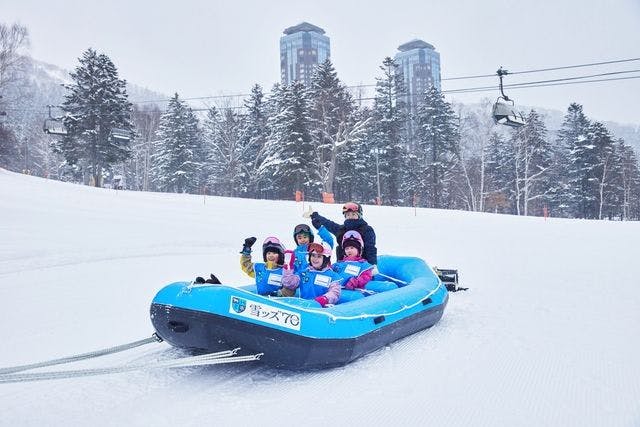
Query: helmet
{"points": [[302, 228], [318, 248], [353, 238], [352, 207], [273, 244], [323, 249]]}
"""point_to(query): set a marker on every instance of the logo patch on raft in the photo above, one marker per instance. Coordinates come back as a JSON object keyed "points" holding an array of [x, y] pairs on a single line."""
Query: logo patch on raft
{"points": [[264, 313], [238, 304]]}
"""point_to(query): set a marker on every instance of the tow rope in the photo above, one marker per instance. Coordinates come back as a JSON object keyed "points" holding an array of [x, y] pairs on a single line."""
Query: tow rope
{"points": [[14, 374], [83, 356]]}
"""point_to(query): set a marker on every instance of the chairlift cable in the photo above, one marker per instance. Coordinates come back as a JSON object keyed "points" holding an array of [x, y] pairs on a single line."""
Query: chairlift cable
{"points": [[511, 85], [442, 79], [494, 88], [574, 66], [542, 83]]}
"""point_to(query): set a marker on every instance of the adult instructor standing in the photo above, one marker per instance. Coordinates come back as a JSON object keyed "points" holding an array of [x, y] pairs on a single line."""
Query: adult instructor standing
{"points": [[353, 221]]}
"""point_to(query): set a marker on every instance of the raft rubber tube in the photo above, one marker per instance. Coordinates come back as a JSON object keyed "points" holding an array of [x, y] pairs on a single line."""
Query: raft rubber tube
{"points": [[294, 333]]}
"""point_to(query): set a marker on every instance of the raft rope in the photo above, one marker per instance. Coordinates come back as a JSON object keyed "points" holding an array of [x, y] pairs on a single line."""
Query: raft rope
{"points": [[12, 375], [83, 356]]}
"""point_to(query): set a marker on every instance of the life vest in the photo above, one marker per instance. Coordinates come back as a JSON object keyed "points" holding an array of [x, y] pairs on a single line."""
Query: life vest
{"points": [[315, 283], [268, 280], [301, 261], [349, 269]]}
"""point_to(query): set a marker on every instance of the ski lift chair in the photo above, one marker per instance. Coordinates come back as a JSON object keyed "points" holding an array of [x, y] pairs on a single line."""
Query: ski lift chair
{"points": [[505, 112], [119, 135], [54, 127]]}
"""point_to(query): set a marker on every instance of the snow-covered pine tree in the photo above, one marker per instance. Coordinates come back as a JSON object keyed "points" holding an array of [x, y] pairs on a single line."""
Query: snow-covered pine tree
{"points": [[572, 137], [437, 148], [501, 175], [629, 181], [558, 197], [614, 198], [96, 105], [253, 137], [9, 150], [224, 152], [356, 169], [333, 120], [175, 162], [290, 160], [388, 131], [602, 169]]}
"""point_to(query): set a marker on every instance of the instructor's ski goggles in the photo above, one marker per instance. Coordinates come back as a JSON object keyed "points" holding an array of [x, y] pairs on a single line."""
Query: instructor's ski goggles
{"points": [[350, 207]]}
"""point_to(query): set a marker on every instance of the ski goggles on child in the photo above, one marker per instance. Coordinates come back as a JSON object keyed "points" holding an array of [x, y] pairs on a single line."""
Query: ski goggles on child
{"points": [[302, 228], [317, 248], [271, 241]]}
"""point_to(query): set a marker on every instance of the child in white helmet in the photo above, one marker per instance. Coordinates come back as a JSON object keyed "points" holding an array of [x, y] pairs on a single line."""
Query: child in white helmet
{"points": [[318, 281]]}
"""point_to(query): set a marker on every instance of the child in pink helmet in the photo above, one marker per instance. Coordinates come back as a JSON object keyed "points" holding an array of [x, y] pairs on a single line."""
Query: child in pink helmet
{"points": [[356, 271]]}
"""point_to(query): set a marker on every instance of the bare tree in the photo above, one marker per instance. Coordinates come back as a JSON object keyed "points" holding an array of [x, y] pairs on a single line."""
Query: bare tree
{"points": [[532, 162], [146, 121], [12, 39], [476, 128]]}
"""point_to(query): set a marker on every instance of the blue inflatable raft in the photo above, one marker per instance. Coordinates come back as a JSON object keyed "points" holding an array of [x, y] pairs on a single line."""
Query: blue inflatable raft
{"points": [[294, 333]]}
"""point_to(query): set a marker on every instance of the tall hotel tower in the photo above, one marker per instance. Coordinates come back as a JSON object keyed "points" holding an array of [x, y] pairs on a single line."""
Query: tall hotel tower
{"points": [[302, 48], [419, 63]]}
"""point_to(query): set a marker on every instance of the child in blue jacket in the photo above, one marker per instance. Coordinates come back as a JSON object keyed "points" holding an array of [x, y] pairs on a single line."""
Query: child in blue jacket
{"points": [[357, 271], [318, 281], [303, 236], [272, 274]]}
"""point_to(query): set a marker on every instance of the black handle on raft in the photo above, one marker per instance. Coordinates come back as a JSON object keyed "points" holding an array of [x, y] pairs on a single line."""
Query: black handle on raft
{"points": [[178, 327]]}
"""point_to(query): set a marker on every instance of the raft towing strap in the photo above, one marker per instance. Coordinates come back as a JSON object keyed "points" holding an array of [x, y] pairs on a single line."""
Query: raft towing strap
{"points": [[83, 356], [11, 375]]}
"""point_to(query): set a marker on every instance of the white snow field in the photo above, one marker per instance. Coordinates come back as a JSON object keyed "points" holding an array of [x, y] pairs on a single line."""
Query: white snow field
{"points": [[547, 335]]}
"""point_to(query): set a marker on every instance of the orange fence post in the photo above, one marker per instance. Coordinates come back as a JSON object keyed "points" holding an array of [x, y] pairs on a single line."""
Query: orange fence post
{"points": [[327, 197], [298, 196]]}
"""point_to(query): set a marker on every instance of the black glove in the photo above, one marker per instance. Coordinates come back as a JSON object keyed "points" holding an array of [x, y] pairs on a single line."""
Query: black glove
{"points": [[213, 280], [248, 242]]}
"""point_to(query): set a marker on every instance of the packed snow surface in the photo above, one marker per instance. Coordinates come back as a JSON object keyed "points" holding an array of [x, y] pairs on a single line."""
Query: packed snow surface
{"points": [[548, 333]]}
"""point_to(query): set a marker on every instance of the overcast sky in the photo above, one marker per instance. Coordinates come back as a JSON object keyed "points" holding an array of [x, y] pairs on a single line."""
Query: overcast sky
{"points": [[207, 47]]}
